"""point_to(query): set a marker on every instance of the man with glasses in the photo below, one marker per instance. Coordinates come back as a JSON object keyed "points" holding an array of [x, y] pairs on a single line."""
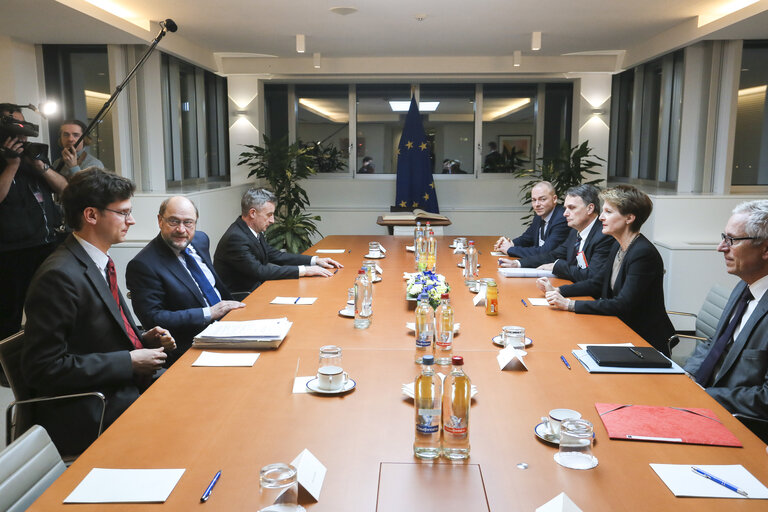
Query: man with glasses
{"points": [[172, 280], [79, 335], [733, 367]]}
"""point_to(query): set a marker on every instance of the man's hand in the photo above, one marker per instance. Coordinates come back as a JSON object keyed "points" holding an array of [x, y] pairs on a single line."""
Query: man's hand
{"points": [[223, 307], [12, 149], [546, 266], [545, 286], [556, 300], [159, 337], [500, 241], [147, 360], [503, 245], [508, 263], [314, 270], [69, 156], [328, 263]]}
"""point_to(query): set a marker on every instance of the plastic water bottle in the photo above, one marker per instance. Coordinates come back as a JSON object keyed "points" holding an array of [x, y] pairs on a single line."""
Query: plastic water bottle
{"points": [[425, 328], [470, 265], [421, 252], [431, 251], [418, 232], [457, 395], [444, 331], [427, 395], [363, 300]]}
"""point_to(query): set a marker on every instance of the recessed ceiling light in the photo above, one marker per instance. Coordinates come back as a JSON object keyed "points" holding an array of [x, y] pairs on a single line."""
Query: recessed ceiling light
{"points": [[536, 41], [420, 17], [343, 11], [403, 106], [301, 43]]}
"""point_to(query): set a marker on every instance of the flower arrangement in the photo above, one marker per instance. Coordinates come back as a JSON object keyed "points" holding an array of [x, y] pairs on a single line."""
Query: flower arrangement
{"points": [[427, 281]]}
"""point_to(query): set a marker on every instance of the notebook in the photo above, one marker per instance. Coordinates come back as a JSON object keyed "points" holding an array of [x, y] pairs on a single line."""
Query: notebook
{"points": [[628, 357]]}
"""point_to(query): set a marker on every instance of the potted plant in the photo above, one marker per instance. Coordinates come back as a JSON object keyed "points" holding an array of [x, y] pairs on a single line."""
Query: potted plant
{"points": [[283, 166], [324, 158]]}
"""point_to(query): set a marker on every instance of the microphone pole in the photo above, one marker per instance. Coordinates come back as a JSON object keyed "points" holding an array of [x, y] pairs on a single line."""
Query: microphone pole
{"points": [[165, 26]]}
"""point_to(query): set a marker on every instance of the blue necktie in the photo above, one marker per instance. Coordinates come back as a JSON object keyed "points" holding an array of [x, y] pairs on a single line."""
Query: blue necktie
{"points": [[706, 370], [202, 281], [573, 260]]}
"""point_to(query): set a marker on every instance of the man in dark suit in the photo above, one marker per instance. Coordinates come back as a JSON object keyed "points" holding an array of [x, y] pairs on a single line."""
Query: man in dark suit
{"points": [[548, 229], [733, 367], [243, 257], [172, 280], [585, 250], [79, 333]]}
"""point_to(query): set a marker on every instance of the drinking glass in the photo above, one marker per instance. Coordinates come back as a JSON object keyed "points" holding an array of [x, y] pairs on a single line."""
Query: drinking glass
{"points": [[576, 445], [374, 249], [279, 489], [330, 355], [513, 335]]}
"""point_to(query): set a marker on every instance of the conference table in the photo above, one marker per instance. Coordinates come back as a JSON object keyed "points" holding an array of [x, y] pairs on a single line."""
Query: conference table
{"points": [[238, 420]]}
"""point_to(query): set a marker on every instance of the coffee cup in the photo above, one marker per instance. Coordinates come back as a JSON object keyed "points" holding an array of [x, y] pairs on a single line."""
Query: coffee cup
{"points": [[331, 378], [557, 416]]}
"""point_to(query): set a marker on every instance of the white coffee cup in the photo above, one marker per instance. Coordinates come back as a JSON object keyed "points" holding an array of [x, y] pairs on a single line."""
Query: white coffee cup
{"points": [[331, 378], [556, 416]]}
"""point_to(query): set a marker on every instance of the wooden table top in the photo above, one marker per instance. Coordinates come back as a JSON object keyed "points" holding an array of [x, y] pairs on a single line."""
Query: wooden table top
{"points": [[240, 419]]}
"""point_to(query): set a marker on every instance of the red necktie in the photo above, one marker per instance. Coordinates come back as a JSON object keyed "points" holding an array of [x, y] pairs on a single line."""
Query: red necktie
{"points": [[112, 275]]}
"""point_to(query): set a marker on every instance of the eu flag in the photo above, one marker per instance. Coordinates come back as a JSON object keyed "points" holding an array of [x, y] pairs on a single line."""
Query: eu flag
{"points": [[415, 186]]}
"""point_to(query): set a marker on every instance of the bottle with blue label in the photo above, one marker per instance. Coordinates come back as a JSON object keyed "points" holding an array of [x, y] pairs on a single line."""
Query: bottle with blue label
{"points": [[425, 327], [427, 401]]}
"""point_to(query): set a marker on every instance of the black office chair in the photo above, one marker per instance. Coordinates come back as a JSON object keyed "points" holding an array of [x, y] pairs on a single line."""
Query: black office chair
{"points": [[18, 415]]}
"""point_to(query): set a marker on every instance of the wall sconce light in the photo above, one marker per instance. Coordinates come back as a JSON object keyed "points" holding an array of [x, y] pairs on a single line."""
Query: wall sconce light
{"points": [[518, 55], [241, 113], [316, 60], [536, 41], [301, 43], [597, 112]]}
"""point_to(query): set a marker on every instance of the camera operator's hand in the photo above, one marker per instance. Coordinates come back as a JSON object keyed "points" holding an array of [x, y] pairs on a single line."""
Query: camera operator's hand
{"points": [[12, 148], [69, 155]]}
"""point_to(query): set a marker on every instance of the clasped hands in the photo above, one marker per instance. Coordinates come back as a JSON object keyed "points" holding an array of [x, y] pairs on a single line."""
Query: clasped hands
{"points": [[158, 343], [502, 244]]}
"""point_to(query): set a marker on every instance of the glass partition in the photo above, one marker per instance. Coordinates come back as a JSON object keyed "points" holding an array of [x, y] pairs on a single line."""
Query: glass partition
{"points": [[509, 127], [378, 126]]}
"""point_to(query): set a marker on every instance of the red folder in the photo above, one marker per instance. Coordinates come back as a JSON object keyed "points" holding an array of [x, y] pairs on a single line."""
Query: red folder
{"points": [[665, 424]]}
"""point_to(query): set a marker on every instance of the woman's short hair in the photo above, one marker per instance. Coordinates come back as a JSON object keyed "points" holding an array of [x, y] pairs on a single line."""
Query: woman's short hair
{"points": [[629, 200]]}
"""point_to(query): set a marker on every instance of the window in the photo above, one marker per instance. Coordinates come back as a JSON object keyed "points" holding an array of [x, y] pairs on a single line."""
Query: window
{"points": [[378, 127], [750, 151], [323, 120], [450, 128], [622, 92], [509, 122]]}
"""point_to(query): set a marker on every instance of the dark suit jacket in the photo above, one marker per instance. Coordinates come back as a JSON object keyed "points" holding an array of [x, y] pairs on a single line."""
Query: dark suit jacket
{"points": [[244, 261], [556, 232], [639, 296], [75, 341], [741, 384], [596, 249], [163, 293]]}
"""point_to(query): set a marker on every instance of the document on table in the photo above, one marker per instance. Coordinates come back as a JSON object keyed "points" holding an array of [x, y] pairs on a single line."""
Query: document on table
{"points": [[331, 251], [125, 486], [249, 329], [682, 481], [583, 346], [592, 367], [300, 383], [538, 301], [218, 359], [525, 272], [301, 301]]}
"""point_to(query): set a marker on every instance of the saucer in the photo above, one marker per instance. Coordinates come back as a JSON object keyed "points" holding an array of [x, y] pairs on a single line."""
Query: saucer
{"points": [[372, 257], [499, 343], [461, 264], [542, 432], [349, 313], [312, 386]]}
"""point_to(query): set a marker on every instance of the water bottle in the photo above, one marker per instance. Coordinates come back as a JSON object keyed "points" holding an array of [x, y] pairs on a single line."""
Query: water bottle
{"points": [[363, 300], [421, 252], [425, 328], [444, 331], [426, 403], [457, 394], [418, 232], [431, 251], [470, 265]]}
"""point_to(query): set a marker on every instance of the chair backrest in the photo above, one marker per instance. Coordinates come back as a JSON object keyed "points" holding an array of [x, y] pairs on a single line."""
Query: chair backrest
{"points": [[711, 311], [10, 360], [27, 467]]}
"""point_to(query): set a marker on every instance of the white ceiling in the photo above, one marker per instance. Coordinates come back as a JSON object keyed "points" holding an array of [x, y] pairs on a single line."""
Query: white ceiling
{"points": [[381, 29]]}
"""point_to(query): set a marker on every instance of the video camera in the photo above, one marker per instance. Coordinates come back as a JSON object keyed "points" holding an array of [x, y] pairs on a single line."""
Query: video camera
{"points": [[11, 127]]}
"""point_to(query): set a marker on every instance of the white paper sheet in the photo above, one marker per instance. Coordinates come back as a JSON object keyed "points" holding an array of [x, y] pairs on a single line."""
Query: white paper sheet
{"points": [[229, 359], [301, 301], [538, 301], [525, 272], [583, 346], [410, 248], [560, 503], [682, 481], [499, 254], [300, 383], [331, 251], [273, 328], [125, 486]]}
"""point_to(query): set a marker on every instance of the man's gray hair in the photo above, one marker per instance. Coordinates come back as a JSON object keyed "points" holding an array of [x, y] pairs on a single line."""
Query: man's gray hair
{"points": [[587, 193], [757, 218], [256, 198]]}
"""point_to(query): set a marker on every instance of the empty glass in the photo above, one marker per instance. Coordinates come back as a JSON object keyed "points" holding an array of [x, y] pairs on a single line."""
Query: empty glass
{"points": [[576, 445], [513, 335], [330, 355], [279, 490], [374, 249]]}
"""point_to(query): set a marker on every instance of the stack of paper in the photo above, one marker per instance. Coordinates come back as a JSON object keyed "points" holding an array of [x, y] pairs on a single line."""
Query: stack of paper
{"points": [[267, 333], [525, 272]]}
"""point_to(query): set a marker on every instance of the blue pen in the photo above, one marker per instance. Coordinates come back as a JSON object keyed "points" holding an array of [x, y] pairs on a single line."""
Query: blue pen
{"points": [[712, 477], [335, 271], [524, 303], [565, 362], [297, 300], [207, 493]]}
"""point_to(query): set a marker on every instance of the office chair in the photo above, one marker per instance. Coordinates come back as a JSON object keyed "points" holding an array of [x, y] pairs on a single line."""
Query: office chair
{"points": [[27, 467], [705, 327], [18, 416]]}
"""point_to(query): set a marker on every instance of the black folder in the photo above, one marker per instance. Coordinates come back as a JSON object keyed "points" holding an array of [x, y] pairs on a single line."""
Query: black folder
{"points": [[628, 357]]}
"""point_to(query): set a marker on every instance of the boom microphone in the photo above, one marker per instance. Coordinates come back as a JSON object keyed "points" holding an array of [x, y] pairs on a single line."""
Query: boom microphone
{"points": [[169, 25]]}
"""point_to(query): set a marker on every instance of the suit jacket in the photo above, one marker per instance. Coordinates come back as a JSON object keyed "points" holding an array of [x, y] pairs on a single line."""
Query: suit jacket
{"points": [[741, 384], [244, 261], [164, 293], [556, 232], [75, 341], [596, 249], [638, 298]]}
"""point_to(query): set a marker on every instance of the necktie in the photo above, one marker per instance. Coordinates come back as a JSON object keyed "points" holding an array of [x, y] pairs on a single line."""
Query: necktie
{"points": [[542, 232], [112, 276], [706, 370], [200, 279], [572, 259]]}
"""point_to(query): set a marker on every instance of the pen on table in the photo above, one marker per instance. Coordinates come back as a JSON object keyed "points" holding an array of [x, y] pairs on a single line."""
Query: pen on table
{"points": [[565, 362], [297, 300], [335, 271], [712, 477], [524, 303], [637, 353], [207, 493]]}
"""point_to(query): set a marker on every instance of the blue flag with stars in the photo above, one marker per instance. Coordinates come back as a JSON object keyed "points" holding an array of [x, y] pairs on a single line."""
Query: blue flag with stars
{"points": [[415, 186]]}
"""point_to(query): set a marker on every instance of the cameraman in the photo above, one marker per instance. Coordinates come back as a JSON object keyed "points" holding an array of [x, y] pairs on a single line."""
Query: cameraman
{"points": [[29, 218]]}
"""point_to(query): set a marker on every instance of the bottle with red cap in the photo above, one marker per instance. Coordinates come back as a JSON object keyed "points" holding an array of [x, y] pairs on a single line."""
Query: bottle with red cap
{"points": [[457, 395]]}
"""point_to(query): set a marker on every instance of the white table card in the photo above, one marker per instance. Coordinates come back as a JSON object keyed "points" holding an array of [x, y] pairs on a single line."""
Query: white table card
{"points": [[510, 358], [310, 473]]}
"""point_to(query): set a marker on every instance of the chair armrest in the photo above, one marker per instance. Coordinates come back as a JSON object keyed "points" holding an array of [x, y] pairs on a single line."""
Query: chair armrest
{"points": [[682, 313], [9, 409], [690, 337]]}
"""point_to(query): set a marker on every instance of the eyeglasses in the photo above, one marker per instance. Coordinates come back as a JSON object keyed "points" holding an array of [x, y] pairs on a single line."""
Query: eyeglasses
{"points": [[174, 222], [125, 214], [729, 240]]}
